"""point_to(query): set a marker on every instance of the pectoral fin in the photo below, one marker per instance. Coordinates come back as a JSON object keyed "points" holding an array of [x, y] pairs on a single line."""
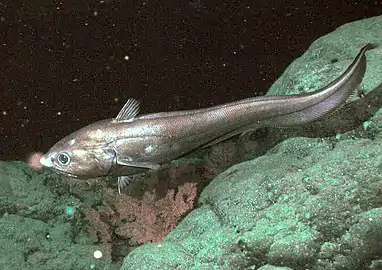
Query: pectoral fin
{"points": [[138, 164]]}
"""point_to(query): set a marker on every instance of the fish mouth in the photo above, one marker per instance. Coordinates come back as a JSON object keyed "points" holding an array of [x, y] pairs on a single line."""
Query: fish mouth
{"points": [[62, 173], [65, 173]]}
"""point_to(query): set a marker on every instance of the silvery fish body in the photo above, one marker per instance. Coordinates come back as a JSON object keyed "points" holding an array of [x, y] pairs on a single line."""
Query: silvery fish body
{"points": [[121, 145]]}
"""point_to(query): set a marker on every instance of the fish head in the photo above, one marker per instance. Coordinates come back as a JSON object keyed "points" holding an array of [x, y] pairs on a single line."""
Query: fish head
{"points": [[78, 158]]}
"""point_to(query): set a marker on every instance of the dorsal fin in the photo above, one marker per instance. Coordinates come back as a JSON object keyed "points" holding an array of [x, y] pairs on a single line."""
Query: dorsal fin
{"points": [[129, 110]]}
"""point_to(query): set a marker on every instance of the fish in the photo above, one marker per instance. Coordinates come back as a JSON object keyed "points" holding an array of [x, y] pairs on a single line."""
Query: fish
{"points": [[130, 142]]}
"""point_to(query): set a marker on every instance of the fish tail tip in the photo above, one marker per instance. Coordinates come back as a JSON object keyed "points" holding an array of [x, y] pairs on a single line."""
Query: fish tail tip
{"points": [[370, 46]]}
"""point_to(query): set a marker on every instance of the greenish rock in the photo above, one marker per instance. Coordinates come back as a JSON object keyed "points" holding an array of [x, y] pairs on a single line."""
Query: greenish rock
{"points": [[35, 231]]}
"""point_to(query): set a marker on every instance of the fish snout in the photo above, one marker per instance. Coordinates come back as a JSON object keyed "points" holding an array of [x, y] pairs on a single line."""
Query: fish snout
{"points": [[46, 161]]}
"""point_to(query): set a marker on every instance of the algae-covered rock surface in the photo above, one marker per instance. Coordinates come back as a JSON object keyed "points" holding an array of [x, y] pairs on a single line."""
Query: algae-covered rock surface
{"points": [[310, 202], [40, 229]]}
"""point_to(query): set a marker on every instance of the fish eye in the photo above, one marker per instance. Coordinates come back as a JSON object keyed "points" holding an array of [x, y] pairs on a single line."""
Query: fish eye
{"points": [[63, 158]]}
